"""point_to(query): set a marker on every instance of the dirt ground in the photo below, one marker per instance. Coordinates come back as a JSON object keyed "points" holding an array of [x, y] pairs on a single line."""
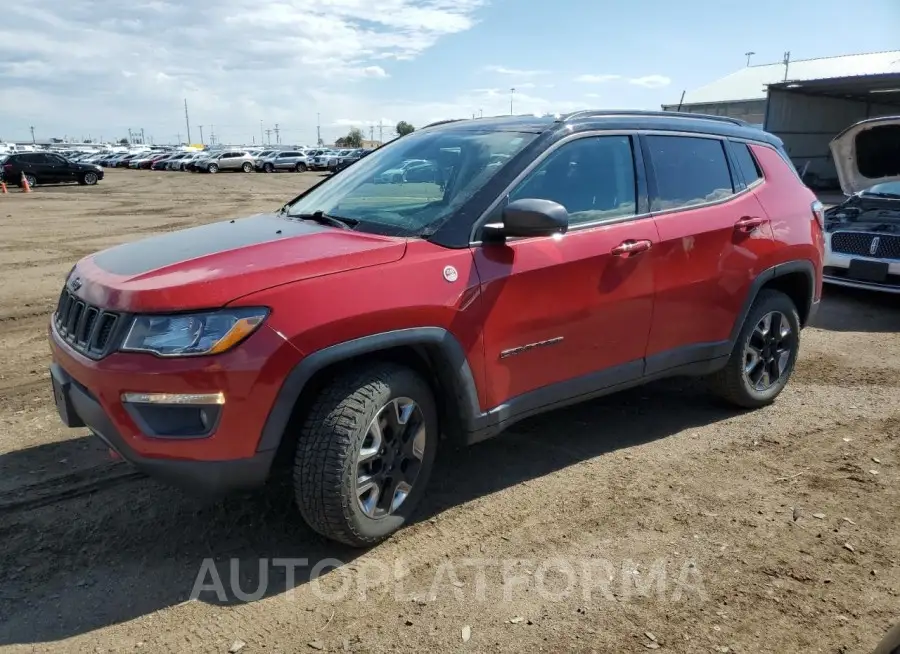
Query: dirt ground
{"points": [[653, 519]]}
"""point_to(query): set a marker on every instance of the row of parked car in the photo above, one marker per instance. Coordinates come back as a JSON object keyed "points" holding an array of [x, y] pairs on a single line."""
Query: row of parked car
{"points": [[233, 159]]}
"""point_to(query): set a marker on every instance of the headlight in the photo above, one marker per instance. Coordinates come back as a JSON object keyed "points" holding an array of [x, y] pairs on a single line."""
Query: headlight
{"points": [[192, 334]]}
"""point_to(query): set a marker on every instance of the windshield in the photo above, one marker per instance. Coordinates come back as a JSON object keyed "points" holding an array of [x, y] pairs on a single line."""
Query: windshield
{"points": [[410, 186], [885, 188]]}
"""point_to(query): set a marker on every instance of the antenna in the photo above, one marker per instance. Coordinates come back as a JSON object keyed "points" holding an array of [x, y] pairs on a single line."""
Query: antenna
{"points": [[748, 55]]}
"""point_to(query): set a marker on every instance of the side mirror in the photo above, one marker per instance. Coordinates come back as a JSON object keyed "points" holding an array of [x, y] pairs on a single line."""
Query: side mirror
{"points": [[528, 217]]}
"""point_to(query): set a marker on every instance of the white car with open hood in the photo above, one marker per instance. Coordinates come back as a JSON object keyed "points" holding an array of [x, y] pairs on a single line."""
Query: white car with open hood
{"points": [[862, 234]]}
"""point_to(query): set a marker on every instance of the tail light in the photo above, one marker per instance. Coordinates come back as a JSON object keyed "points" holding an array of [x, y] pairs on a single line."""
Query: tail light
{"points": [[818, 210]]}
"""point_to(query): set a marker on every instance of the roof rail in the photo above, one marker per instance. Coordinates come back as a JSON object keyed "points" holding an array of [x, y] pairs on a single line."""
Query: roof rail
{"points": [[598, 113], [444, 122]]}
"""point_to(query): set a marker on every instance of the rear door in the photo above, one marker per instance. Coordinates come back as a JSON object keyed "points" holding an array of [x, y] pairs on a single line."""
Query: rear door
{"points": [[567, 315], [715, 238]]}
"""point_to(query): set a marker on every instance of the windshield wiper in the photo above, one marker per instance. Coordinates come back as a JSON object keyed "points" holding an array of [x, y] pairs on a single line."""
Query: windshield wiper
{"points": [[890, 196], [326, 219]]}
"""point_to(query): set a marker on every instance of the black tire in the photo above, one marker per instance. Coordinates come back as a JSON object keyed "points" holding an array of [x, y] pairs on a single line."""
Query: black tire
{"points": [[731, 383], [301, 167], [247, 167], [334, 431], [212, 168], [88, 179], [269, 168]]}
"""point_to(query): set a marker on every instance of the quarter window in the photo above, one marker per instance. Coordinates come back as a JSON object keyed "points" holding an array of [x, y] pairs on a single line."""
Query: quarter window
{"points": [[746, 162], [689, 171], [593, 178]]}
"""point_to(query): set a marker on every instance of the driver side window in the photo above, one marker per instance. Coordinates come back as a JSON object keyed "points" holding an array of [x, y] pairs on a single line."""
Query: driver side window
{"points": [[592, 177]]}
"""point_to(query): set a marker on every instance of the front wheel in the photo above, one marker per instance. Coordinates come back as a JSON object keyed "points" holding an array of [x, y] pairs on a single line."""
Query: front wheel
{"points": [[88, 179], [365, 453], [212, 168], [764, 354], [269, 168]]}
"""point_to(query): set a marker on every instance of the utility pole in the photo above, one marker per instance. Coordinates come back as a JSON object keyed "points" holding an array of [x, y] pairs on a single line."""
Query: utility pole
{"points": [[32, 135], [142, 136], [201, 134], [277, 136], [178, 137], [187, 121], [787, 64], [371, 132], [481, 113], [749, 54], [212, 134], [512, 93], [261, 132], [269, 136], [318, 129], [129, 136], [380, 132]]}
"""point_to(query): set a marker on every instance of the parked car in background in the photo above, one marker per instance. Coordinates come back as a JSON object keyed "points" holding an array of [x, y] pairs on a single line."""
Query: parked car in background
{"points": [[47, 168], [352, 157], [320, 161], [862, 234], [291, 160], [399, 174], [228, 161]]}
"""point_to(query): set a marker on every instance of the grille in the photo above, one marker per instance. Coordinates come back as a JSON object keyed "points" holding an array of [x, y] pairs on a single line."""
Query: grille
{"points": [[860, 244], [88, 329]]}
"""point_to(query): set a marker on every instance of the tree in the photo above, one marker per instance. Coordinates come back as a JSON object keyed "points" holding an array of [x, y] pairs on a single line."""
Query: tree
{"points": [[404, 128], [354, 138], [123, 141]]}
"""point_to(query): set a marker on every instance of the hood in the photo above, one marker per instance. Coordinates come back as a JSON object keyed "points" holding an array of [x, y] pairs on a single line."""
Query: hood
{"points": [[211, 265], [867, 153]]}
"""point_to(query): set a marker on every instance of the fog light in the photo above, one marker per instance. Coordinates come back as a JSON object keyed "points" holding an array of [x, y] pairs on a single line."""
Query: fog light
{"points": [[204, 419]]}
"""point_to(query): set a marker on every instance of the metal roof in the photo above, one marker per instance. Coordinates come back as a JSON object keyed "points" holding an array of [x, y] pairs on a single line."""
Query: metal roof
{"points": [[750, 83]]}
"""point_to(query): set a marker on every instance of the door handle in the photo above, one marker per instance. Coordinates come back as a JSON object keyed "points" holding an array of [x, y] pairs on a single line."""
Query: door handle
{"points": [[630, 247], [747, 224]]}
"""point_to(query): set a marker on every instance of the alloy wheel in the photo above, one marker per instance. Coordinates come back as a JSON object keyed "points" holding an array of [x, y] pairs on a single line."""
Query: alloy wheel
{"points": [[390, 457], [90, 178], [768, 351]]}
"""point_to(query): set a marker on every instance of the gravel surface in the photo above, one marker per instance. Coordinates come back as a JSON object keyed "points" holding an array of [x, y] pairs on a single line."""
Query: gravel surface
{"points": [[652, 519]]}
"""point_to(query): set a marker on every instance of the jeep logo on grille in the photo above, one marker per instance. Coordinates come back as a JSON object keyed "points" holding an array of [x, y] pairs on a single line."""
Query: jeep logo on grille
{"points": [[873, 248], [75, 284]]}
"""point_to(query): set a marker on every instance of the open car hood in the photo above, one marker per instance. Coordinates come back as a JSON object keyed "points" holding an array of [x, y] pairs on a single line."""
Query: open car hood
{"points": [[867, 153]]}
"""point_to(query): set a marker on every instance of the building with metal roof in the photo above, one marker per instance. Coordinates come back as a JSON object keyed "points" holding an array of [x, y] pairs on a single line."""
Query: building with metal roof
{"points": [[806, 102]]}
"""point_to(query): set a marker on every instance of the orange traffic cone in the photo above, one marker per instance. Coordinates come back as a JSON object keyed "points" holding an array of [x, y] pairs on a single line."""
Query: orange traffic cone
{"points": [[3, 187], [25, 187]]}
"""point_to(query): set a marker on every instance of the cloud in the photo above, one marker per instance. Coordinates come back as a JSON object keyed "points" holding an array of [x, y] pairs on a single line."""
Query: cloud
{"points": [[513, 72], [651, 81], [116, 65], [597, 79], [592, 95]]}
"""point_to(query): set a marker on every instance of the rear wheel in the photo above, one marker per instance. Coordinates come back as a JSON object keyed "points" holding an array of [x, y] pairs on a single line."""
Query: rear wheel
{"points": [[247, 167], [764, 354], [31, 179], [301, 167], [365, 454], [88, 179]]}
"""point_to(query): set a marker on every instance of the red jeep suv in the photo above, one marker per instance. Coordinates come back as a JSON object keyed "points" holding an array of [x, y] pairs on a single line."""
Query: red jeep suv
{"points": [[539, 262]]}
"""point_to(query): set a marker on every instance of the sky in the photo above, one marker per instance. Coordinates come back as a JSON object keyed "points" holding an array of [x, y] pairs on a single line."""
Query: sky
{"points": [[97, 68]]}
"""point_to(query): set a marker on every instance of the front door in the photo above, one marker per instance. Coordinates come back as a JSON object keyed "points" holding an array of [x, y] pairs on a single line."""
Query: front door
{"points": [[566, 315]]}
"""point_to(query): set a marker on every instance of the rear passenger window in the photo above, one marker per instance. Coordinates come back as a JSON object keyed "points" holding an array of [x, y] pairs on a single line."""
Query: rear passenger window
{"points": [[689, 171], [746, 162]]}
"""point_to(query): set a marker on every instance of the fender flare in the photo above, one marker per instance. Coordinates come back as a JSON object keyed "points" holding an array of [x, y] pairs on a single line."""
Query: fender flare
{"points": [[454, 372], [800, 265]]}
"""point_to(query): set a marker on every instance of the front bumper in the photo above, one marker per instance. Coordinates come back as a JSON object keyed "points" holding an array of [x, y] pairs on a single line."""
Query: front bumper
{"points": [[89, 393], [79, 408], [837, 271]]}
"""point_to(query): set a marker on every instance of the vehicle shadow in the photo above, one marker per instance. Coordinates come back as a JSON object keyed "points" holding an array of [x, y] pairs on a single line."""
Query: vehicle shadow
{"points": [[132, 549], [855, 310]]}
